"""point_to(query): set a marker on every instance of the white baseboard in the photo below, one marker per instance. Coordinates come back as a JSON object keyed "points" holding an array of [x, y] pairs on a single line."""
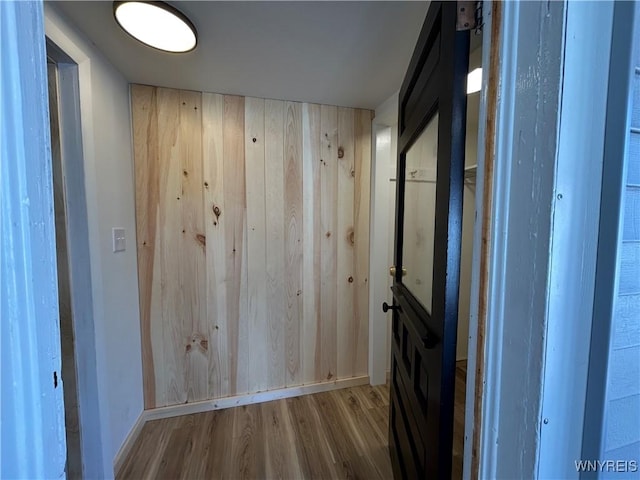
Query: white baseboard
{"points": [[248, 399], [227, 402], [126, 446]]}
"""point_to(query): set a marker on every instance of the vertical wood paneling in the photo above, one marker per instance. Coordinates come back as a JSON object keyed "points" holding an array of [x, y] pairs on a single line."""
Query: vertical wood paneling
{"points": [[235, 243], [275, 235], [214, 205], [192, 249], [328, 254], [312, 241], [254, 145], [346, 331], [362, 166], [145, 125], [252, 255], [173, 368], [157, 327], [293, 238]]}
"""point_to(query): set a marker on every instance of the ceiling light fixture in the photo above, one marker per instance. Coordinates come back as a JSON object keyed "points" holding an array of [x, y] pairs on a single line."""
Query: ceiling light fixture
{"points": [[474, 81], [156, 24]]}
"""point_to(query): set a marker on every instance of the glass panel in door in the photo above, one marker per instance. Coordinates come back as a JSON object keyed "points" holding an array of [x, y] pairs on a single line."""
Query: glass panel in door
{"points": [[419, 213]]}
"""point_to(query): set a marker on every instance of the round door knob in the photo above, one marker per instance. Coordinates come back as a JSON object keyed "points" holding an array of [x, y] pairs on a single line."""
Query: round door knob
{"points": [[386, 307], [392, 271]]}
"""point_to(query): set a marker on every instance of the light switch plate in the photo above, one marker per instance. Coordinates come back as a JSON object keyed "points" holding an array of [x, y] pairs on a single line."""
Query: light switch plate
{"points": [[119, 241]]}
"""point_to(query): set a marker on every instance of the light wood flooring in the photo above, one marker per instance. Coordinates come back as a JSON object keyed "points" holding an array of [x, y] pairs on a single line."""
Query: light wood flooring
{"points": [[339, 434]]}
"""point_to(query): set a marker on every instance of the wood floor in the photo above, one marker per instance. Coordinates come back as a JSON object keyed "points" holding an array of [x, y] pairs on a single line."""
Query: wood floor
{"points": [[333, 435]]}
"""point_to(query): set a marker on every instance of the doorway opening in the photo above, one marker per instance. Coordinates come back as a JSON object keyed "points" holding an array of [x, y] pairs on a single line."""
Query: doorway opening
{"points": [[67, 340], [466, 253], [77, 333], [383, 199]]}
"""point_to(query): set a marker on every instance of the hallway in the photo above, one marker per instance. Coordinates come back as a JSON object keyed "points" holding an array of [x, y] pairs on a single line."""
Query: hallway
{"points": [[337, 434]]}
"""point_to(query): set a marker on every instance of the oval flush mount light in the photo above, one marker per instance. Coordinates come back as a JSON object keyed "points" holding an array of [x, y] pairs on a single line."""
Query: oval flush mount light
{"points": [[156, 24]]}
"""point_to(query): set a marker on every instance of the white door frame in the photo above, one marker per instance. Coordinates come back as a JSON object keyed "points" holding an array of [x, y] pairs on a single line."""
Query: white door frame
{"points": [[535, 243], [73, 169], [617, 157], [32, 434]]}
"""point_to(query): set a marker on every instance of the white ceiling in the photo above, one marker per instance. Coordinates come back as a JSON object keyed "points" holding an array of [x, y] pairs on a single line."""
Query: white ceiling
{"points": [[339, 53]]}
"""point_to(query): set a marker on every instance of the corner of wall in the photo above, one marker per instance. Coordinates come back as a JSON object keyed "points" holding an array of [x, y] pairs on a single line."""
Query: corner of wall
{"points": [[109, 185], [384, 138], [387, 112]]}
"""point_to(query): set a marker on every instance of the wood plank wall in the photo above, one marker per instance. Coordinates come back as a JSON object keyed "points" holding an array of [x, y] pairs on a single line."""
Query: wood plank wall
{"points": [[253, 243]]}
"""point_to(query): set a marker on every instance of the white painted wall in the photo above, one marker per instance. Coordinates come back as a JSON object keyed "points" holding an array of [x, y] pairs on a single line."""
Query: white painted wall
{"points": [[385, 129], [109, 184]]}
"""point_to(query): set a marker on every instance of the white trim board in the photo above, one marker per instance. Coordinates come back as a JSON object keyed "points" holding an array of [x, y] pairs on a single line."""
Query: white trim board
{"points": [[617, 152], [251, 398], [531, 47], [227, 402], [32, 430], [541, 260], [573, 249]]}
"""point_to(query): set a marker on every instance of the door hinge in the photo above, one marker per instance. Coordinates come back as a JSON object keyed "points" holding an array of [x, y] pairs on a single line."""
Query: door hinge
{"points": [[469, 16]]}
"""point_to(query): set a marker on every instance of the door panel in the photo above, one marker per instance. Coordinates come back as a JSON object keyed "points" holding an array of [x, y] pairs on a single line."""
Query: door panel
{"points": [[432, 120]]}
